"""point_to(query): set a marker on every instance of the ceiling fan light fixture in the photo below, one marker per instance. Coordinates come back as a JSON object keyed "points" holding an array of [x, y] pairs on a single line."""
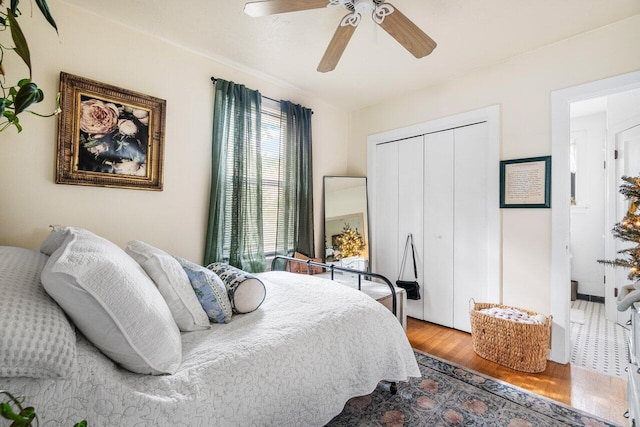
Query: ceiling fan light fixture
{"points": [[364, 6]]}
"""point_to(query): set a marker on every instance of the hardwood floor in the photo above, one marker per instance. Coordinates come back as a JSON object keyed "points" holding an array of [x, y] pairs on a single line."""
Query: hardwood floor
{"points": [[581, 388]]}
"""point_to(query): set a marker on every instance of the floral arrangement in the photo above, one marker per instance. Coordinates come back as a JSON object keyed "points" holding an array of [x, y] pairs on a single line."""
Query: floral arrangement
{"points": [[17, 98], [113, 138]]}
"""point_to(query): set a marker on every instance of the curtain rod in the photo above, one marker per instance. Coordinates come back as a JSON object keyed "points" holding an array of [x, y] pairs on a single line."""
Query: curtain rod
{"points": [[214, 80]]}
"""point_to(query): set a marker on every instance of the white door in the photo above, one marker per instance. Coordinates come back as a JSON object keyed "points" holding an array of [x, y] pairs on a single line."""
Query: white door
{"points": [[628, 163], [410, 215], [386, 210], [438, 228], [472, 209]]}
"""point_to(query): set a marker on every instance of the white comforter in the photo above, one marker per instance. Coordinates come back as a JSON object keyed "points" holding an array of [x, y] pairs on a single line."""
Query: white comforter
{"points": [[311, 346]]}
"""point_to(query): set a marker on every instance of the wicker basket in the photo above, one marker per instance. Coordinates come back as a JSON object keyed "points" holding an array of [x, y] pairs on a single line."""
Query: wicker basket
{"points": [[520, 346]]}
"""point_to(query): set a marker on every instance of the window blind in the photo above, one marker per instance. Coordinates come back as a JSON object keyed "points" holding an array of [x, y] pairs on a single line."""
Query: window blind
{"points": [[271, 131]]}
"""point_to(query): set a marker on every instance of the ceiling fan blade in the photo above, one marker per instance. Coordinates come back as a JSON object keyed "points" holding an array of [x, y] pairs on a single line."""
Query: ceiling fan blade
{"points": [[272, 7], [336, 46], [407, 33]]}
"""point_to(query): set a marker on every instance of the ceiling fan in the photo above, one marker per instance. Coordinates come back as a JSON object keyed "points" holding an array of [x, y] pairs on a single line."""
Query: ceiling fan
{"points": [[384, 14]]}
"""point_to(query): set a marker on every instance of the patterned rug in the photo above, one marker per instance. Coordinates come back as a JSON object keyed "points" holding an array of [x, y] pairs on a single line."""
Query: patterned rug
{"points": [[597, 343], [449, 395]]}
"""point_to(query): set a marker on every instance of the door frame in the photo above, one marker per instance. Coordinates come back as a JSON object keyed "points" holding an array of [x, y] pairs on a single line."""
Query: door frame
{"points": [[490, 115], [560, 201]]}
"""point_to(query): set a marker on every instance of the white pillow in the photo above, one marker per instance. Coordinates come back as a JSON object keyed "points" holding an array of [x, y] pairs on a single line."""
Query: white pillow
{"points": [[37, 340], [114, 303], [173, 283], [54, 240]]}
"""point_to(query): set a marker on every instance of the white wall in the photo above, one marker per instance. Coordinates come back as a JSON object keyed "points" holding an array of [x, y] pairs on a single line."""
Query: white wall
{"points": [[174, 219], [522, 86], [346, 201], [623, 106], [587, 216]]}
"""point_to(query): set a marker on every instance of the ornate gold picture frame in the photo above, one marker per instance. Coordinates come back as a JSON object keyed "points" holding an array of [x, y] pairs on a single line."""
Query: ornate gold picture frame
{"points": [[108, 136]]}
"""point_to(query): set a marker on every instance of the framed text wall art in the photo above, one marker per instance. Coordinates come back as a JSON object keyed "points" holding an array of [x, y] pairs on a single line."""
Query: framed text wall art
{"points": [[525, 183]]}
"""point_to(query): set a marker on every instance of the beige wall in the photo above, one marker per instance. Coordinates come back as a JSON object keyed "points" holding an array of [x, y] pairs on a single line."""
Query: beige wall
{"points": [[522, 87], [173, 219]]}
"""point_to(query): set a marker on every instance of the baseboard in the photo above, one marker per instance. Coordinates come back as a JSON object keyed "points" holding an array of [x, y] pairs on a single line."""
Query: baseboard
{"points": [[591, 298]]}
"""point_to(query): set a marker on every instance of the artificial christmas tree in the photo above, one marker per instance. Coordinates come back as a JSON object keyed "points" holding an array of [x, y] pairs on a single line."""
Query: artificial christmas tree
{"points": [[629, 230], [350, 242]]}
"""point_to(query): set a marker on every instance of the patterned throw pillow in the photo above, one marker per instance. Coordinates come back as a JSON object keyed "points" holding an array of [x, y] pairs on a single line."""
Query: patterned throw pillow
{"points": [[246, 291], [210, 291]]}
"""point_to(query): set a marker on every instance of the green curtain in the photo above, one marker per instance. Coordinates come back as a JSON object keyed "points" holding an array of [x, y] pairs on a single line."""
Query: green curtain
{"points": [[295, 196], [234, 232]]}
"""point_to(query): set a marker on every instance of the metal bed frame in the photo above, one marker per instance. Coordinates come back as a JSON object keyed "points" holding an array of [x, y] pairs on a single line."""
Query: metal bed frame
{"points": [[333, 268]]}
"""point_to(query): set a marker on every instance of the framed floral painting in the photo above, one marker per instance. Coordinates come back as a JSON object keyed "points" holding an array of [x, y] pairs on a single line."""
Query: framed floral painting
{"points": [[108, 136]]}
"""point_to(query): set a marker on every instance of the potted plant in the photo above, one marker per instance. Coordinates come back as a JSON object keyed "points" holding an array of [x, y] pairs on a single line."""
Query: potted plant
{"points": [[17, 98], [20, 416]]}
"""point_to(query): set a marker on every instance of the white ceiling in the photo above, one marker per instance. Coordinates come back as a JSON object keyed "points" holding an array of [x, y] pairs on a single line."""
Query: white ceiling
{"points": [[470, 34]]}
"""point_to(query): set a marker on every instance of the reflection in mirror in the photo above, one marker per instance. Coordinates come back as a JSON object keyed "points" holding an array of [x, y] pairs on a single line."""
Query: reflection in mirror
{"points": [[346, 221]]}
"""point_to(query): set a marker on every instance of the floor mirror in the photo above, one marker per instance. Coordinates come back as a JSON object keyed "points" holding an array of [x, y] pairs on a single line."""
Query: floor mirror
{"points": [[346, 222]]}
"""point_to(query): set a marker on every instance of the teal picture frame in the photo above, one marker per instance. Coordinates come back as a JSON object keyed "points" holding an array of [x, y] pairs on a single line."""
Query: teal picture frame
{"points": [[525, 183]]}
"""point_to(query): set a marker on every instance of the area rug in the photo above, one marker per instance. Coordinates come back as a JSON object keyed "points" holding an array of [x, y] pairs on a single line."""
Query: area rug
{"points": [[449, 395], [598, 344]]}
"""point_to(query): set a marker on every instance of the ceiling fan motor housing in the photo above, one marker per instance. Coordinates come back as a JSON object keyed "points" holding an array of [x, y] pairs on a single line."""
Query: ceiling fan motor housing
{"points": [[360, 6], [364, 6]]}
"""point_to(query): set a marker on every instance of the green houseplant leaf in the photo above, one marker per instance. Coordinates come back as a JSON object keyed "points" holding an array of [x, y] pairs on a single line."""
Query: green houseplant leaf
{"points": [[28, 94], [22, 49], [44, 8], [16, 98], [14, 6]]}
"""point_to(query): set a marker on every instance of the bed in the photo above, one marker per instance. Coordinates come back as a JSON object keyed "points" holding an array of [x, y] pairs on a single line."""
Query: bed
{"points": [[310, 346]]}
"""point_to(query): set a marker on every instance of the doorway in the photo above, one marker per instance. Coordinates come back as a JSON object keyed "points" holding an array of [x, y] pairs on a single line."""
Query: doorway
{"points": [[599, 125], [561, 200]]}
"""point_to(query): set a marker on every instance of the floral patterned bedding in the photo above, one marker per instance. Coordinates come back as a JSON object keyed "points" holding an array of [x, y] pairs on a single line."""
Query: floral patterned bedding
{"points": [[311, 346]]}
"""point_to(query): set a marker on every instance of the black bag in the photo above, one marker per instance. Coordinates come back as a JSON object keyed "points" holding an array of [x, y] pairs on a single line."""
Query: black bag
{"points": [[411, 286]]}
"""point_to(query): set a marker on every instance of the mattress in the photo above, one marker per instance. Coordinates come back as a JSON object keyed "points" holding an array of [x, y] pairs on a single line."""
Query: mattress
{"points": [[311, 346]]}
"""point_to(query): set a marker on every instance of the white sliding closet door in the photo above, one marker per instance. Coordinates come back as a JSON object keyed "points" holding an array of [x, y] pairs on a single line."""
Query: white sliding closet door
{"points": [[471, 230], [386, 210], [410, 215], [439, 181], [437, 284]]}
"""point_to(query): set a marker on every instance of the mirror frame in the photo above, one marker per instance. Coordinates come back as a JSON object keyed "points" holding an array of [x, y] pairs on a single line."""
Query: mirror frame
{"points": [[324, 216]]}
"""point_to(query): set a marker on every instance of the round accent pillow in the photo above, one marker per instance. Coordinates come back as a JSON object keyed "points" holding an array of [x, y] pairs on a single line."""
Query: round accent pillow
{"points": [[246, 291]]}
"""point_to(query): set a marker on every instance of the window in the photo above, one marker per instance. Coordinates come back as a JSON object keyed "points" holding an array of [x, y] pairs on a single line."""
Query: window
{"points": [[261, 181], [270, 133], [577, 167]]}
